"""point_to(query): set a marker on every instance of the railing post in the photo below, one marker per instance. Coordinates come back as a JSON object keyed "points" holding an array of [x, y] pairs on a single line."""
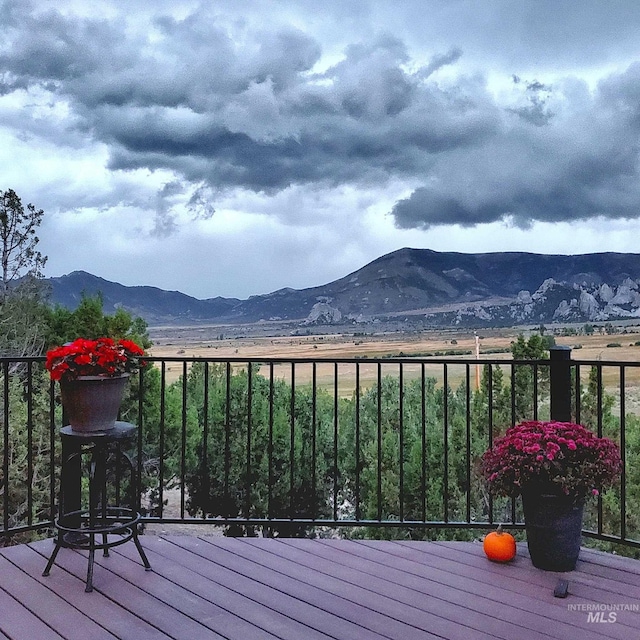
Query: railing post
{"points": [[560, 375]]}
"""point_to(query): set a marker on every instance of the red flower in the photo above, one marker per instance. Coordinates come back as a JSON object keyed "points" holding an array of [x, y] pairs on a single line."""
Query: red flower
{"points": [[101, 357], [131, 347]]}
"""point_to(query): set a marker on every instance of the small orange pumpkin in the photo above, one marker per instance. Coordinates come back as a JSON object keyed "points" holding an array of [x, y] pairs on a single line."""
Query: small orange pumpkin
{"points": [[499, 546]]}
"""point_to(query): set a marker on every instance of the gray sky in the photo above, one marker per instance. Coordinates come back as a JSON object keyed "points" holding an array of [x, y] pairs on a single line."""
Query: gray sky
{"points": [[235, 148]]}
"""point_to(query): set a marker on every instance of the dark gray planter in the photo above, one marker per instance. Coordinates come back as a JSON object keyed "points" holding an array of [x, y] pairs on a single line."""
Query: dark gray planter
{"points": [[554, 529], [92, 403]]}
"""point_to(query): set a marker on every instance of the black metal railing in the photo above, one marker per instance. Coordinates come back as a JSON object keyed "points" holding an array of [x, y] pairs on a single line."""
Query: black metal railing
{"points": [[385, 447]]}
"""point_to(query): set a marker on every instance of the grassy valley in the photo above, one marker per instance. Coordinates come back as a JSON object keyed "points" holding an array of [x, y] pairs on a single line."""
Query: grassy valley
{"points": [[494, 344]]}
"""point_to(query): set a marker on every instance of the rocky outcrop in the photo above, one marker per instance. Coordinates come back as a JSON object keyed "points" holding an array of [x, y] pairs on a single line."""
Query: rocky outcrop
{"points": [[588, 304], [323, 313]]}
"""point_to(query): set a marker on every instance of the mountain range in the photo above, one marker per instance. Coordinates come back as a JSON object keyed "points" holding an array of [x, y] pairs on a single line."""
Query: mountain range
{"points": [[418, 286]]}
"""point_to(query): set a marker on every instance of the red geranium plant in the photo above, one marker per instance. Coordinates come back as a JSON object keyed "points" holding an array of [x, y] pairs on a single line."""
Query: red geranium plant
{"points": [[562, 457], [101, 357]]}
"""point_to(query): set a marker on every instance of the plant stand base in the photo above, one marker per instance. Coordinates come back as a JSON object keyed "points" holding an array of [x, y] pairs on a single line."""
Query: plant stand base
{"points": [[98, 526]]}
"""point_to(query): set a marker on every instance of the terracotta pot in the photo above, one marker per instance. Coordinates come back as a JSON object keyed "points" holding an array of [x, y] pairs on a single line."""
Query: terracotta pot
{"points": [[554, 529], [92, 403]]}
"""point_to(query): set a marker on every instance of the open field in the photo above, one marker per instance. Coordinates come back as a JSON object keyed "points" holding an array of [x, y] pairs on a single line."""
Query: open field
{"points": [[206, 342], [493, 344]]}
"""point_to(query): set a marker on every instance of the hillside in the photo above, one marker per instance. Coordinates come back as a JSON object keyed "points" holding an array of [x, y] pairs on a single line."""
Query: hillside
{"points": [[155, 305], [411, 285]]}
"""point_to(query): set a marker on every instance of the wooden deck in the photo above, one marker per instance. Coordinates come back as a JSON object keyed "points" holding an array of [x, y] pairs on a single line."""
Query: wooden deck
{"points": [[253, 589]]}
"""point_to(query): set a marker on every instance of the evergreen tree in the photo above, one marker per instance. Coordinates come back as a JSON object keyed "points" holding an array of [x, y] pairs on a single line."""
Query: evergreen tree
{"points": [[19, 255], [530, 386], [90, 321], [22, 296], [257, 461], [28, 438]]}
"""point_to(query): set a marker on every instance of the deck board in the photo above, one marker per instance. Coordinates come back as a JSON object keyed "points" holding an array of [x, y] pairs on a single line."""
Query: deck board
{"points": [[291, 589], [461, 598], [271, 589], [42, 601], [224, 591], [398, 601]]}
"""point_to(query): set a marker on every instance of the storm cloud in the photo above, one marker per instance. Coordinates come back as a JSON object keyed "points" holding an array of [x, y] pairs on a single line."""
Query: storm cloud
{"points": [[254, 116]]}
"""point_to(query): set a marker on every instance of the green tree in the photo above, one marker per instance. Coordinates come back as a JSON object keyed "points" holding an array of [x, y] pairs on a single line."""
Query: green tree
{"points": [[257, 461], [412, 453], [596, 406], [597, 412], [19, 255], [27, 434], [23, 323], [22, 295], [528, 383], [494, 394], [89, 320], [24, 408]]}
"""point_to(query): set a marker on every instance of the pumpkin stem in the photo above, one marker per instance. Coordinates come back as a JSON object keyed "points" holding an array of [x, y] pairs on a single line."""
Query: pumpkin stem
{"points": [[499, 530]]}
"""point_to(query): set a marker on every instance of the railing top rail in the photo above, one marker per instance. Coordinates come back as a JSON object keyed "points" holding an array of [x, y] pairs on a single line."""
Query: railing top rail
{"points": [[352, 359], [462, 359], [386, 360], [10, 359], [364, 359]]}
